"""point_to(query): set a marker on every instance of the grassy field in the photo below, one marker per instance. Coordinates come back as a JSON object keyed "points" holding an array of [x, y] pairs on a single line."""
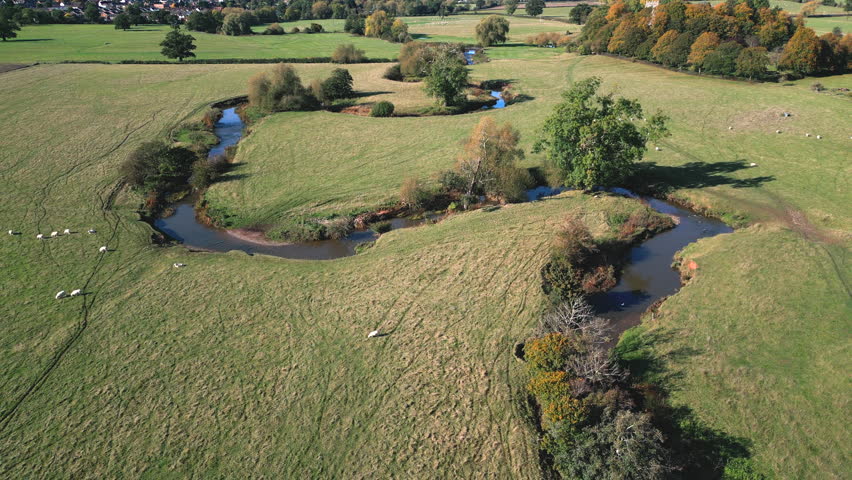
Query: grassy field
{"points": [[53, 43], [258, 366], [159, 372]]}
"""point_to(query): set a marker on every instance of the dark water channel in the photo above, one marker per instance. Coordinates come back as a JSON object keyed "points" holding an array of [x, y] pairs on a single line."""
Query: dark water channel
{"points": [[646, 277]]}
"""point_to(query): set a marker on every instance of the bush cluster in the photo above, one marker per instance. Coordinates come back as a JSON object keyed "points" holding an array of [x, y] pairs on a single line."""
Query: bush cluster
{"points": [[550, 39], [274, 29], [281, 90], [156, 168], [347, 53]]}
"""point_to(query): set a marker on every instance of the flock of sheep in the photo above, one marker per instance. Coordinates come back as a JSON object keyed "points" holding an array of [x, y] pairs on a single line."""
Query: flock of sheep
{"points": [[103, 249]]}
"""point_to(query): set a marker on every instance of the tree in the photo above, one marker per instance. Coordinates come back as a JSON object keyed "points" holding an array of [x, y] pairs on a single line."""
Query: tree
{"points": [[492, 30], [122, 21], [752, 62], [704, 44], [447, 78], [354, 24], [377, 25], [810, 8], [208, 22], [178, 45], [134, 13], [237, 24], [626, 37], [489, 151], [672, 49], [534, 8], [801, 52], [347, 53], [92, 13], [594, 139], [338, 85], [510, 6], [723, 60], [8, 27], [580, 13], [399, 32]]}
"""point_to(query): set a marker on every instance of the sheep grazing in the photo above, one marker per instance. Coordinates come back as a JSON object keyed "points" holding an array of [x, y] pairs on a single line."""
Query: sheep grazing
{"points": [[11, 232], [92, 230], [807, 134], [40, 236], [61, 294], [74, 293], [752, 164], [819, 137], [103, 249], [374, 333], [657, 148], [730, 128], [67, 231], [786, 114], [54, 234], [777, 131], [179, 265]]}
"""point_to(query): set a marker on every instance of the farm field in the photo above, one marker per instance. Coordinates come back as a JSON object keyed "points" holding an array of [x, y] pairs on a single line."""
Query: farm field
{"points": [[257, 366]]}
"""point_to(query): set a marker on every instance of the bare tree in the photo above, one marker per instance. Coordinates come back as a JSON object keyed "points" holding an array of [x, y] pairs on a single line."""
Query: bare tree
{"points": [[595, 366], [577, 317]]}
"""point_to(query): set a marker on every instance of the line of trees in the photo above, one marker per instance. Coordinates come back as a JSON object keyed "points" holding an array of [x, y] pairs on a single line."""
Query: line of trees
{"points": [[734, 38]]}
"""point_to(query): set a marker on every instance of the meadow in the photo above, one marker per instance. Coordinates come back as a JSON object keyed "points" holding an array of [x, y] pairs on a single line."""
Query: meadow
{"points": [[259, 366]]}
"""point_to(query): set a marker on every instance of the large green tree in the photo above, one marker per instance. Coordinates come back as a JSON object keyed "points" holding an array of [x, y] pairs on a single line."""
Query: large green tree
{"points": [[8, 26], [178, 45], [801, 52], [492, 30], [534, 8], [122, 21], [447, 78], [510, 6], [596, 139]]}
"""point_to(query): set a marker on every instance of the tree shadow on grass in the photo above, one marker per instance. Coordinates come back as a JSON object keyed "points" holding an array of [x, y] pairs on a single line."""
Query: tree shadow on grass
{"points": [[700, 450], [368, 94], [18, 40], [695, 174]]}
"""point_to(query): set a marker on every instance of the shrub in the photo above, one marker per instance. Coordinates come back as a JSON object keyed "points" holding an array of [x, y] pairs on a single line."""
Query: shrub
{"points": [[314, 28], [210, 118], [451, 181], [381, 227], [642, 223], [202, 175], [354, 25], [338, 85], [298, 230], [337, 227], [347, 53], [279, 90], [412, 195], [155, 166], [548, 39], [274, 29], [513, 182], [550, 352], [394, 72], [382, 109], [295, 30], [574, 240], [561, 279], [549, 386], [564, 409]]}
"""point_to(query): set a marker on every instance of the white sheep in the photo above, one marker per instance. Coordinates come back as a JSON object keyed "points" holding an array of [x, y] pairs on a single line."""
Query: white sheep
{"points": [[61, 294], [67, 231], [374, 333], [819, 137], [179, 265], [103, 249], [74, 293], [752, 164], [807, 134], [40, 236], [54, 234], [657, 148], [730, 128], [92, 230], [11, 232], [777, 131]]}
